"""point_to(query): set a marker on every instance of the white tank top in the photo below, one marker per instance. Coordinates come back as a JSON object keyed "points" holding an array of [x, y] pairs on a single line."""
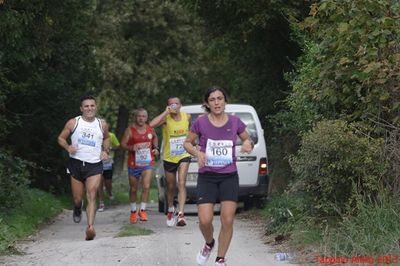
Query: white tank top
{"points": [[88, 138]]}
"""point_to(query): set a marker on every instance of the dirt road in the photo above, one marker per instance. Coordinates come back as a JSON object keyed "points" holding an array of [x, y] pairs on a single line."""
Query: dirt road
{"points": [[62, 243]]}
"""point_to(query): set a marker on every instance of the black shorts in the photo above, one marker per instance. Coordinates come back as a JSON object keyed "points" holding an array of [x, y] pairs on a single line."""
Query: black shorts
{"points": [[82, 170], [108, 174], [173, 167], [215, 187]]}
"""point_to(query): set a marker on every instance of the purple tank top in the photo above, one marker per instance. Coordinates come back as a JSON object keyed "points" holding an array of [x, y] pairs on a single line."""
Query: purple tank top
{"points": [[218, 143]]}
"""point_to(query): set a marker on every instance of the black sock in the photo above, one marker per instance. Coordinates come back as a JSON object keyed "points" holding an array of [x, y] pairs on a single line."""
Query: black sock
{"points": [[218, 258], [211, 245]]}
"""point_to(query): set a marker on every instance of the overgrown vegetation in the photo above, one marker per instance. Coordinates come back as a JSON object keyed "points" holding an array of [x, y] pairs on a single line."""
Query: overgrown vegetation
{"points": [[342, 200], [36, 207], [13, 181], [333, 132]]}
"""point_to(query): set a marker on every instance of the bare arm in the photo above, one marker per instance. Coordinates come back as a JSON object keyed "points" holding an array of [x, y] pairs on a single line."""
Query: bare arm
{"points": [[248, 144], [106, 145], [191, 149], [155, 149], [160, 119], [125, 139], [64, 135]]}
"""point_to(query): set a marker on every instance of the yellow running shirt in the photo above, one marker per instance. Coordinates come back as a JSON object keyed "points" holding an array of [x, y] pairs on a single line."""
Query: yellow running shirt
{"points": [[174, 134]]}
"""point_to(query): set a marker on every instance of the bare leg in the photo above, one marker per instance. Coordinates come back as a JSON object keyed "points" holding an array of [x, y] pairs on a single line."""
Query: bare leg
{"points": [[171, 187], [206, 215], [146, 181], [182, 174], [133, 184], [92, 186], [108, 184], [77, 188], [227, 216], [100, 191]]}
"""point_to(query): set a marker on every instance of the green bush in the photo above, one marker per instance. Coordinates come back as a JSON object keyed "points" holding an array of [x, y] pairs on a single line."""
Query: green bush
{"points": [[285, 211], [373, 231], [13, 180], [338, 164]]}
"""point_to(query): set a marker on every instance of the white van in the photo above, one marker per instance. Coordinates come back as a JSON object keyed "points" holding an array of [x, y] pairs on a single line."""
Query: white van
{"points": [[252, 167]]}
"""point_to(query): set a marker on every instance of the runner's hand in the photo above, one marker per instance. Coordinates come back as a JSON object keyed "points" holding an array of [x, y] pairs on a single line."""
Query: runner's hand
{"points": [[201, 158]]}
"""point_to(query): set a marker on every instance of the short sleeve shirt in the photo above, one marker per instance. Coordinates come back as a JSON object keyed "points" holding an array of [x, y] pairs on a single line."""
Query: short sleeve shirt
{"points": [[218, 143]]}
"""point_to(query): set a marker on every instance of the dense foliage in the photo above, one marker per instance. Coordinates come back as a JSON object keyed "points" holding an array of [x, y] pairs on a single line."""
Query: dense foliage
{"points": [[13, 181], [339, 165], [46, 63]]}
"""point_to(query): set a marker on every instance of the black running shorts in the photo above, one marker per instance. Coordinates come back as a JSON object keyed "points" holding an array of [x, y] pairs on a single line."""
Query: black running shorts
{"points": [[173, 167], [82, 170], [215, 187], [108, 174]]}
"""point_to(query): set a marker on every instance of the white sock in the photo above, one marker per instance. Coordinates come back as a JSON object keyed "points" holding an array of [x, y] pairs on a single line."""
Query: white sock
{"points": [[171, 209], [143, 205], [133, 206]]}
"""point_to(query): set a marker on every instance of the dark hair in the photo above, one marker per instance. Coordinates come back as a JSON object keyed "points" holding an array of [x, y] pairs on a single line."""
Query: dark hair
{"points": [[211, 90], [172, 97], [87, 97]]}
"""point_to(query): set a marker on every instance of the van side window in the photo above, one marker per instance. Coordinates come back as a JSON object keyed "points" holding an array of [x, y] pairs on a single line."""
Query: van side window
{"points": [[248, 119]]}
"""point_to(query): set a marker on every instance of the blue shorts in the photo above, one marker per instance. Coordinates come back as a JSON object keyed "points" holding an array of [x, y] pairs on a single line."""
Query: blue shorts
{"points": [[137, 172]]}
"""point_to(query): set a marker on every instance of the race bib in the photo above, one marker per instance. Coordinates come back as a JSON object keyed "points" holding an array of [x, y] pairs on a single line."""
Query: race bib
{"points": [[143, 157], [87, 138], [176, 145], [219, 152]]}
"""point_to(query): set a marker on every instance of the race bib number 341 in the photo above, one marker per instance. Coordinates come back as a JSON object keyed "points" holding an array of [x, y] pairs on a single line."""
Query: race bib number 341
{"points": [[219, 152]]}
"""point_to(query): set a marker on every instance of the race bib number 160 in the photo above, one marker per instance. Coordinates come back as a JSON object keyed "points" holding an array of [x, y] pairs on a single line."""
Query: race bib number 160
{"points": [[219, 152]]}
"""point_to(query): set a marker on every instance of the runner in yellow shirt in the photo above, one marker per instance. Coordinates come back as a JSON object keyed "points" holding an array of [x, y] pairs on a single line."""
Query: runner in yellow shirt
{"points": [[175, 158]]}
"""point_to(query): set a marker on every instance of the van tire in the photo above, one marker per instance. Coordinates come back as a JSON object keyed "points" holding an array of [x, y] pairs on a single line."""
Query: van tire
{"points": [[250, 202]]}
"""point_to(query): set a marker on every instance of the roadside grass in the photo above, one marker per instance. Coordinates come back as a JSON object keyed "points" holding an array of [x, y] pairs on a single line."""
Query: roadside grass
{"points": [[132, 230], [373, 232], [38, 207]]}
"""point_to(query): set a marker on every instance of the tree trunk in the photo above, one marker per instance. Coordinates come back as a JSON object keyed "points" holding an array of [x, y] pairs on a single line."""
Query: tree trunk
{"points": [[122, 123]]}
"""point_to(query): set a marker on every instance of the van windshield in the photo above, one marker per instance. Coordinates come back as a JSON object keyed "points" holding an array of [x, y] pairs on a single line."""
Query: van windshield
{"points": [[247, 118]]}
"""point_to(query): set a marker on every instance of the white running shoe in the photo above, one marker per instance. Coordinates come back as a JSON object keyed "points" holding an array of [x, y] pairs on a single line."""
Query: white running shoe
{"points": [[181, 219], [171, 219], [204, 254], [101, 207], [220, 262]]}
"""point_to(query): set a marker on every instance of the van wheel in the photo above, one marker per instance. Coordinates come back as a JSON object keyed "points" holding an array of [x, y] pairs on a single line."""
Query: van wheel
{"points": [[258, 202], [248, 203]]}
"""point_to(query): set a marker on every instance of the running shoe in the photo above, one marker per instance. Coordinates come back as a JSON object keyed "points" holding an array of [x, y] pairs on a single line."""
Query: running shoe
{"points": [[111, 196], [181, 219], [90, 233], [171, 219], [220, 262], [143, 215], [133, 217], [101, 207], [77, 214], [204, 254]]}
